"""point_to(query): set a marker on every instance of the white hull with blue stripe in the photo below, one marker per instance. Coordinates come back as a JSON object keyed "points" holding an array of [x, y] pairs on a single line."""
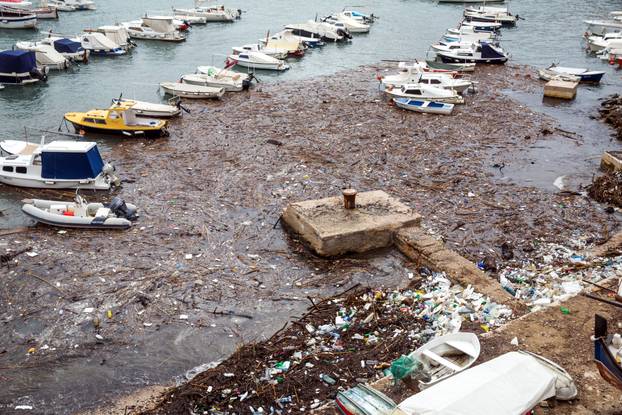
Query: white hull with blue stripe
{"points": [[419, 105]]}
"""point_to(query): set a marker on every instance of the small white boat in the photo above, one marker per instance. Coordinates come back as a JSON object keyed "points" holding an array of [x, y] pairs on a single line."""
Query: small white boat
{"points": [[154, 28], [58, 165], [80, 214], [438, 80], [216, 13], [352, 25], [429, 107], [178, 89], [288, 36], [72, 5], [45, 55], [490, 14], [255, 47], [147, 109], [424, 92], [601, 27], [445, 356], [585, 75], [359, 16], [229, 84], [257, 60], [321, 30], [608, 40], [117, 34], [191, 20], [548, 75], [17, 19], [482, 26]]}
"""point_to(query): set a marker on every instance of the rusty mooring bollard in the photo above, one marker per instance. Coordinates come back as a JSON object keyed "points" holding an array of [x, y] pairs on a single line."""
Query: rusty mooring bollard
{"points": [[349, 198]]}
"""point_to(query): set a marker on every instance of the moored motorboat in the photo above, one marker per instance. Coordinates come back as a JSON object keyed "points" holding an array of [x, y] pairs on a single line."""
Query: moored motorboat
{"points": [[216, 13], [256, 47], [584, 74], [483, 52], [147, 109], [59, 165], [435, 65], [608, 40], [80, 214], [184, 90], [490, 14], [19, 67], [288, 36], [418, 105], [412, 75], [424, 92], [482, 26], [601, 27], [17, 18], [72, 5], [154, 28], [257, 60], [352, 25], [118, 120], [117, 34], [321, 30], [46, 55], [70, 49], [45, 11], [99, 44], [221, 77]]}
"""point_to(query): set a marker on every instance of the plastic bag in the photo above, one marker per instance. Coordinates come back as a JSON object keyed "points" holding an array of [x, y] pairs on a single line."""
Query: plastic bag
{"points": [[403, 366]]}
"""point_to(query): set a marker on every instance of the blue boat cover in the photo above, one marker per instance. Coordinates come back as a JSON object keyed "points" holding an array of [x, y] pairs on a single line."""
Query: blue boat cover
{"points": [[71, 166], [18, 61], [488, 52], [67, 46]]}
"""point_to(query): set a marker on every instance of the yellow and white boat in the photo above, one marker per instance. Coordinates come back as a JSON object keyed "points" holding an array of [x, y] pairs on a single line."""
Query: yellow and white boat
{"points": [[119, 120]]}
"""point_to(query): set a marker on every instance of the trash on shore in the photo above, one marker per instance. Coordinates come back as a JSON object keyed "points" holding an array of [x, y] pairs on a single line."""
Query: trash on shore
{"points": [[607, 188], [341, 341]]}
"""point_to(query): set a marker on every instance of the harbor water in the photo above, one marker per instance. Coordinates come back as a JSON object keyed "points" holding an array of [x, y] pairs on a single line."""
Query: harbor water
{"points": [[405, 29]]}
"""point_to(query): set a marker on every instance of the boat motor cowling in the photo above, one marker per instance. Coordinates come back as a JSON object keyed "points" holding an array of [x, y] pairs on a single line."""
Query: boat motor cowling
{"points": [[39, 74], [122, 210]]}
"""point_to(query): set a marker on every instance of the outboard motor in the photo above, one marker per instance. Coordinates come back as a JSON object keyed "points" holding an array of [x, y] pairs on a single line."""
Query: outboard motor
{"points": [[39, 74], [345, 33], [119, 208]]}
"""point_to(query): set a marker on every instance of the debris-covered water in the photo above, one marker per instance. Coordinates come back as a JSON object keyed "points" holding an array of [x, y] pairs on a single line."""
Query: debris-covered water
{"points": [[102, 314]]}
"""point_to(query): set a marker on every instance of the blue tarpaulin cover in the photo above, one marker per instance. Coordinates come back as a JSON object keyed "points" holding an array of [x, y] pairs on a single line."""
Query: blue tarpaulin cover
{"points": [[67, 46], [71, 166], [18, 61], [488, 52]]}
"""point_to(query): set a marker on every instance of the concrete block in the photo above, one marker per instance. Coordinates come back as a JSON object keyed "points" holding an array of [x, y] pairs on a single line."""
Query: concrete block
{"points": [[331, 230], [611, 160], [561, 89]]}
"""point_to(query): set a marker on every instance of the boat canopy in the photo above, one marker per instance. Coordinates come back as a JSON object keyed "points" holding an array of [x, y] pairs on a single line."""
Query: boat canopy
{"points": [[70, 160], [510, 384], [67, 46], [490, 52], [17, 61]]}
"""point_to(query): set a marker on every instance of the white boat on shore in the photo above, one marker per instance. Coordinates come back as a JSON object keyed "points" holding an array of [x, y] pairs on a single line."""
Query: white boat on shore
{"points": [[17, 19], [154, 28], [147, 109], [411, 75], [45, 55], [257, 60], [428, 107], [58, 165], [424, 92], [178, 89], [218, 78], [80, 214]]}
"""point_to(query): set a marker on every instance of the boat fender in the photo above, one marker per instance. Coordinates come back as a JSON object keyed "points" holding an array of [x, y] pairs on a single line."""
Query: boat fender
{"points": [[612, 59]]}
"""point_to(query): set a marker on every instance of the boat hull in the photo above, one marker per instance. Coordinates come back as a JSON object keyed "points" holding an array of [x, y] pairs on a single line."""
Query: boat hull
{"points": [[229, 87], [454, 59], [18, 23], [262, 66], [126, 133], [433, 107], [98, 183], [192, 94], [50, 13]]}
